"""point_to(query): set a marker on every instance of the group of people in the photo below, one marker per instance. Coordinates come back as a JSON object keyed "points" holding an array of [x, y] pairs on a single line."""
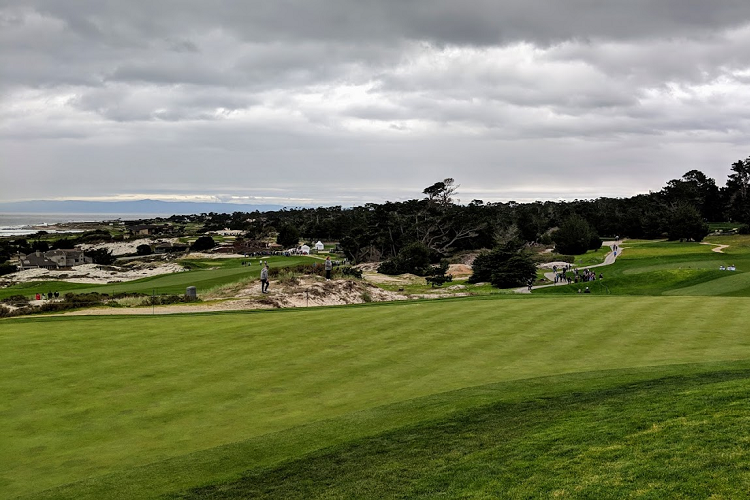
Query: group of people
{"points": [[48, 296], [565, 276]]}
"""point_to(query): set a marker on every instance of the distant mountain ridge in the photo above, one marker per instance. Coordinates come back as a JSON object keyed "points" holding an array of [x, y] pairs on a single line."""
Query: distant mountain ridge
{"points": [[152, 207]]}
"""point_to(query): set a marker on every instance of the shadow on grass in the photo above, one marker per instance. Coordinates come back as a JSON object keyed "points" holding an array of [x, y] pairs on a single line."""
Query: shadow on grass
{"points": [[671, 437], [590, 434]]}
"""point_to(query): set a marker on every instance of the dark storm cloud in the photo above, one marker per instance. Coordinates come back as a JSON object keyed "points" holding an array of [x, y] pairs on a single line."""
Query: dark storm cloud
{"points": [[484, 22]]}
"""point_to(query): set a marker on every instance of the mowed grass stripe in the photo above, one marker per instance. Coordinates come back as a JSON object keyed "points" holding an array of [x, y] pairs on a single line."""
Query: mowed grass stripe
{"points": [[111, 393]]}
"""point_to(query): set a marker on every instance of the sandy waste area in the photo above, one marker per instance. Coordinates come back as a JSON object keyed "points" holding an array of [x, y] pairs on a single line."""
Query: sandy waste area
{"points": [[95, 273], [129, 247], [304, 292]]}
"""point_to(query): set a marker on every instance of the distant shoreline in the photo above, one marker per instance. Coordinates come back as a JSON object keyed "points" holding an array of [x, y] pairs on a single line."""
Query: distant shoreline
{"points": [[25, 224]]}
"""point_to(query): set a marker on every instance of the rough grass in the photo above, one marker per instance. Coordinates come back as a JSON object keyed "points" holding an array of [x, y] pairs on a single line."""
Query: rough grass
{"points": [[86, 397]]}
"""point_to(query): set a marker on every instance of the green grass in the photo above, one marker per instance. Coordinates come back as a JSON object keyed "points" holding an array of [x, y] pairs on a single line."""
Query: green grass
{"points": [[673, 268], [723, 226], [592, 257], [152, 405], [673, 437], [579, 396]]}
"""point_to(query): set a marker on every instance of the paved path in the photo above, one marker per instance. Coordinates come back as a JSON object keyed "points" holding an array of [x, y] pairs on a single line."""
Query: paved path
{"points": [[610, 258], [717, 248]]}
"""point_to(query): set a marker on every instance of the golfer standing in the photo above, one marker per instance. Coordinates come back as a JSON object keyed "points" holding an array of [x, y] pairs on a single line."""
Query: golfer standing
{"points": [[264, 279], [329, 267]]}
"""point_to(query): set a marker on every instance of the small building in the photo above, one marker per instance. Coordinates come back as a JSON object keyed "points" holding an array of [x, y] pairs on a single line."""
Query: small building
{"points": [[68, 257], [319, 246], [35, 260], [54, 259], [304, 250]]}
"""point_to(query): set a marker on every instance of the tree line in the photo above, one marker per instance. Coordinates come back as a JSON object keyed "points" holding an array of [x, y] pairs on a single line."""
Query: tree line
{"points": [[418, 234], [379, 231]]}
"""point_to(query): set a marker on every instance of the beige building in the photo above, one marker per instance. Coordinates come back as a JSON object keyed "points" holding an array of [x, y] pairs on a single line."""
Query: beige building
{"points": [[54, 259]]}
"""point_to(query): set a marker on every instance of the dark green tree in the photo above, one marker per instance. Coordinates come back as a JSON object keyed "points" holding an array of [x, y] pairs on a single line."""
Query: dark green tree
{"points": [[288, 236], [574, 236], [39, 245], [685, 222], [143, 249], [63, 243], [100, 256], [7, 268], [698, 190], [203, 243], [413, 258], [737, 191], [441, 192], [516, 271], [438, 275], [505, 266]]}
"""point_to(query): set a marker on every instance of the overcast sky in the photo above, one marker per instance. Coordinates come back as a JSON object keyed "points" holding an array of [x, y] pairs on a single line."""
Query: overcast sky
{"points": [[327, 102]]}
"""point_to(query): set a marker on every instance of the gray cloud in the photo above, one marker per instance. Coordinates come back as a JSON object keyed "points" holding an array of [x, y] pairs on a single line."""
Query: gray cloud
{"points": [[338, 100]]}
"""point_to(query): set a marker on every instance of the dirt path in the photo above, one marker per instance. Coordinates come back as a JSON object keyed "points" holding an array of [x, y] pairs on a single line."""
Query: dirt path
{"points": [[609, 259], [717, 248]]}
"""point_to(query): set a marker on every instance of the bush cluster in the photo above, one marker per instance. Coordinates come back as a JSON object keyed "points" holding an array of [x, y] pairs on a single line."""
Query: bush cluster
{"points": [[414, 259], [78, 300], [504, 267], [16, 300], [7, 269], [438, 276], [575, 236]]}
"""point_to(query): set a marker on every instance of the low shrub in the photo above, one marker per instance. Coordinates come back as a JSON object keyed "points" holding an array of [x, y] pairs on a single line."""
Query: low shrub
{"points": [[284, 273], [164, 300], [16, 299], [349, 271], [83, 299], [7, 312]]}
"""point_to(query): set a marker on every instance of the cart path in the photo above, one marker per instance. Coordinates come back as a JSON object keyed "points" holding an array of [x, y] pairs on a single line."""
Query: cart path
{"points": [[609, 259], [717, 248]]}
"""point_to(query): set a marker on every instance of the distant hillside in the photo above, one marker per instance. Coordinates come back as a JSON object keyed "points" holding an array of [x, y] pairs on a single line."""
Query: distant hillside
{"points": [[128, 207]]}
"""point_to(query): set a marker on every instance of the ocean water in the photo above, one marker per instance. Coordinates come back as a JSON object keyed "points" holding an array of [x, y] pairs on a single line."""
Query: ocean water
{"points": [[20, 224]]}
